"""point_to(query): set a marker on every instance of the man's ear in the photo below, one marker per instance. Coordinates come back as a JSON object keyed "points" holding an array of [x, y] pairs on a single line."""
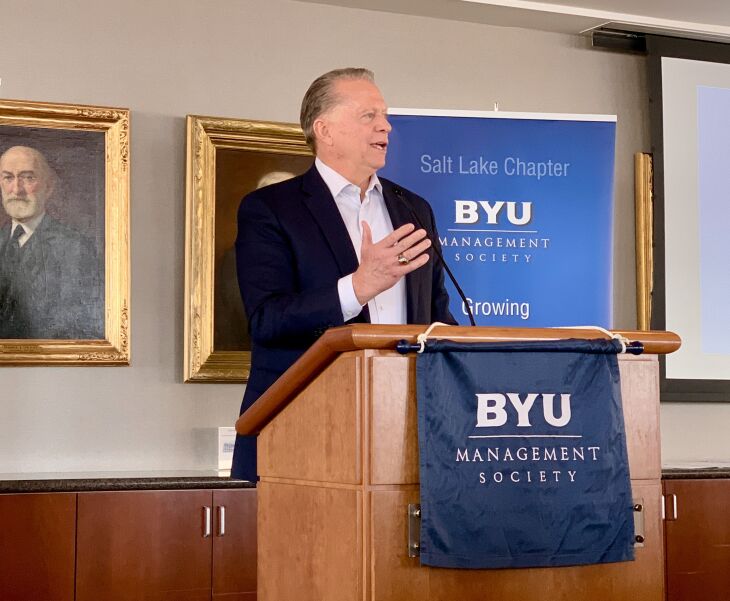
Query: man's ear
{"points": [[322, 133]]}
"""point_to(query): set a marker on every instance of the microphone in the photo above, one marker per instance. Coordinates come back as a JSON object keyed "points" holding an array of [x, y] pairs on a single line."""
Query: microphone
{"points": [[399, 193]]}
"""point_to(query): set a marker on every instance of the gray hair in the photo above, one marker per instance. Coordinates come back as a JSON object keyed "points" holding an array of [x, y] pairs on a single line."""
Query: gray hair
{"points": [[48, 172], [320, 97]]}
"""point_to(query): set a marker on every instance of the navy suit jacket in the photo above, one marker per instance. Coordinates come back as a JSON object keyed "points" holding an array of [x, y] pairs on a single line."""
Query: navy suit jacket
{"points": [[292, 248]]}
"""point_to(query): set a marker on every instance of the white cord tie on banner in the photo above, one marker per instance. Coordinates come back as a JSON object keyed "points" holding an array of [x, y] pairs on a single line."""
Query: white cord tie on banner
{"points": [[622, 340], [423, 337]]}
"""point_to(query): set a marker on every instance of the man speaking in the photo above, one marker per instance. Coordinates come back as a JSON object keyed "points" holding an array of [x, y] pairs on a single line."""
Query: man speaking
{"points": [[335, 245]]}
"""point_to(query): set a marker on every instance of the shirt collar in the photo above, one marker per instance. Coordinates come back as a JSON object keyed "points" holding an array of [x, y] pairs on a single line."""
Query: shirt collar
{"points": [[29, 226], [337, 182]]}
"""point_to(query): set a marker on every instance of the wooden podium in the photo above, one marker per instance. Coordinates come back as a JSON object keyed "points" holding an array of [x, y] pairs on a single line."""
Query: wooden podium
{"points": [[338, 462]]}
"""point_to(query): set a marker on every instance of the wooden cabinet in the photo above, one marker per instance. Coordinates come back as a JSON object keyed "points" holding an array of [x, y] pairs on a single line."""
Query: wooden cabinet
{"points": [[156, 545], [166, 545], [697, 539], [143, 545], [37, 533], [234, 545]]}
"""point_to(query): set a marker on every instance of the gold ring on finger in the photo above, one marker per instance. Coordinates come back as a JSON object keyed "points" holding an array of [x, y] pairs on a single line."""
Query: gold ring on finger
{"points": [[403, 260]]}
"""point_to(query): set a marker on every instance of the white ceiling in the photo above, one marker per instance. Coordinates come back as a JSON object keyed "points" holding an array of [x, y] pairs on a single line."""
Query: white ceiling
{"points": [[701, 19]]}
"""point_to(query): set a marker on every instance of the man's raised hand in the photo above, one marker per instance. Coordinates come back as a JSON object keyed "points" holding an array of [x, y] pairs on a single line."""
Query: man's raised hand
{"points": [[383, 263]]}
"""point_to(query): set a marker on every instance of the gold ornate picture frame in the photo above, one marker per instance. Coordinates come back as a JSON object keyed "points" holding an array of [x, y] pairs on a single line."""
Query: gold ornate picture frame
{"points": [[644, 212], [64, 275], [226, 159]]}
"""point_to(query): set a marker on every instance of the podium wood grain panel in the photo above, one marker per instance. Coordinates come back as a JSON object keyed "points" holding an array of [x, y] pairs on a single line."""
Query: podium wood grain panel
{"points": [[640, 394], [395, 576], [318, 437], [37, 537], [310, 543], [394, 424]]}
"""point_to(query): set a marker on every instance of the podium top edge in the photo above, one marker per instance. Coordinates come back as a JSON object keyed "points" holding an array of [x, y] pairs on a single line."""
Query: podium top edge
{"points": [[363, 336], [384, 337]]}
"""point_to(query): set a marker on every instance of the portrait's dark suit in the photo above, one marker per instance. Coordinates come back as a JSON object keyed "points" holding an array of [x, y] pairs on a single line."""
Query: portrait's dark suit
{"points": [[51, 286], [292, 248]]}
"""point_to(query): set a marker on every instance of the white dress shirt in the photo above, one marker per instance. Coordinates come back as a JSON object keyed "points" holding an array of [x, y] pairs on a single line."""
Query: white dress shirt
{"points": [[388, 306], [29, 227]]}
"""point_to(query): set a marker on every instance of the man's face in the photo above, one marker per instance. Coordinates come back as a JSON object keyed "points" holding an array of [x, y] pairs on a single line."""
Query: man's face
{"points": [[25, 183], [358, 127]]}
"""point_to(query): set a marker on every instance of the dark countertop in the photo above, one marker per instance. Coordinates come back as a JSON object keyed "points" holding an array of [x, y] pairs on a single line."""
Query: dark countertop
{"points": [[699, 471], [197, 479], [133, 480]]}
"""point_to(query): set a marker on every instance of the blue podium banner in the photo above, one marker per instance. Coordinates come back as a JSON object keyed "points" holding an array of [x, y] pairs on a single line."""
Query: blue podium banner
{"points": [[524, 209], [522, 455]]}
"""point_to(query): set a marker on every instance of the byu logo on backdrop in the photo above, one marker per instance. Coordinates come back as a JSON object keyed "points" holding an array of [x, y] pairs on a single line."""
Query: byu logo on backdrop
{"points": [[493, 411], [468, 211]]}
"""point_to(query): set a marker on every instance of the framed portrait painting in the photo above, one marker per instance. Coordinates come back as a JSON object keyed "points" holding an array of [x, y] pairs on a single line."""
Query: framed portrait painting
{"points": [[226, 159], [64, 232]]}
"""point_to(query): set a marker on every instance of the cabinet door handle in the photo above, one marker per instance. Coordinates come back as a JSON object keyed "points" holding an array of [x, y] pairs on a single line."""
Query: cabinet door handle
{"points": [[673, 504], [221, 520], [206, 522]]}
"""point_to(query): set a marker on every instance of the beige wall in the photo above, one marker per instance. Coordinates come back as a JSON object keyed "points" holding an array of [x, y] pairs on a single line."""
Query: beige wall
{"points": [[254, 59]]}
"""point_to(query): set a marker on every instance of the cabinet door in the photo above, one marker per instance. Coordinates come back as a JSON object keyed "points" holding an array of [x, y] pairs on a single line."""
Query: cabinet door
{"points": [[234, 545], [37, 533], [149, 545], [698, 540]]}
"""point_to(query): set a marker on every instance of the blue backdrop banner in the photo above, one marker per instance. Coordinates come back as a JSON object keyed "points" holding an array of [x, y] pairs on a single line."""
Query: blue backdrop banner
{"points": [[522, 455], [524, 209]]}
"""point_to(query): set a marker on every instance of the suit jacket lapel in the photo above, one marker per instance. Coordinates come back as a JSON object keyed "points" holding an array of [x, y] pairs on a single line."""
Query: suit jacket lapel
{"points": [[400, 215], [318, 199]]}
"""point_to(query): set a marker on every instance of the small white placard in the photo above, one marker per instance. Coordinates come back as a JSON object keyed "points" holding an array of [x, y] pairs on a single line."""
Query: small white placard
{"points": [[226, 442]]}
